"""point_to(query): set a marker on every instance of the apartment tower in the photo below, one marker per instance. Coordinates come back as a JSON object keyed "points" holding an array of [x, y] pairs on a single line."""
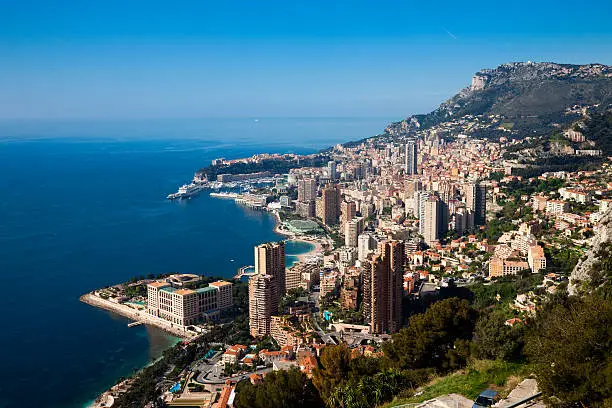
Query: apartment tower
{"points": [[383, 287]]}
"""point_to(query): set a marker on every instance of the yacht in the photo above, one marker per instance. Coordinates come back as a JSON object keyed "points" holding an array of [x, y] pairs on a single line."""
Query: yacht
{"points": [[186, 191]]}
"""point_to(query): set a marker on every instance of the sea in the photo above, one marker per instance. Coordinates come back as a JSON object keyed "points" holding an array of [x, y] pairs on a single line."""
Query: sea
{"points": [[83, 205]]}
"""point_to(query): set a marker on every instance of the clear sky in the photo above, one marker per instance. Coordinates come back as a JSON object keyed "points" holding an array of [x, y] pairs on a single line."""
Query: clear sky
{"points": [[132, 58]]}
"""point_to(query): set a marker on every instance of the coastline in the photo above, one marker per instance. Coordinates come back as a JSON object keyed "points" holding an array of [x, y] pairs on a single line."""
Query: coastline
{"points": [[317, 248], [135, 315], [141, 316]]}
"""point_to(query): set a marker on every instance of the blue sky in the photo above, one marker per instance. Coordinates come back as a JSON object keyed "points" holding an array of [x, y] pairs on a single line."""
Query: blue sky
{"points": [[106, 59]]}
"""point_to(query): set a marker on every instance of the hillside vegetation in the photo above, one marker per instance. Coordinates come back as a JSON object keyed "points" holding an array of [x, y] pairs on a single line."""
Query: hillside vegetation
{"points": [[534, 97]]}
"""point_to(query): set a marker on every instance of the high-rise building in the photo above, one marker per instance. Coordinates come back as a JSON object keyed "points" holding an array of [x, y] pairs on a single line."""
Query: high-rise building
{"points": [[307, 190], [420, 200], [270, 260], [331, 170], [432, 220], [365, 244], [305, 209], [330, 202], [348, 211], [383, 287], [263, 303], [476, 200], [352, 230], [411, 158], [464, 220]]}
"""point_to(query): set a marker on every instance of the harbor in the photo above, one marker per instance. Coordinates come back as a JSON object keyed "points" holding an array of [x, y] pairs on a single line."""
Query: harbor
{"points": [[245, 186]]}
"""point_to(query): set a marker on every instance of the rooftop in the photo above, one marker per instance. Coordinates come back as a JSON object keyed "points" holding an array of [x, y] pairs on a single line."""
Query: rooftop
{"points": [[159, 284], [220, 283], [206, 289]]}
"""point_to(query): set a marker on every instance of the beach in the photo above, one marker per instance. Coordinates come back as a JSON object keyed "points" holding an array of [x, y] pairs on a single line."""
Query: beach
{"points": [[317, 248]]}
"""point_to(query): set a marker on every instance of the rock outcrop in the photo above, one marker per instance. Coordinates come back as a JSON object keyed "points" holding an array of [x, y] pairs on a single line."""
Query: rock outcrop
{"points": [[582, 271]]}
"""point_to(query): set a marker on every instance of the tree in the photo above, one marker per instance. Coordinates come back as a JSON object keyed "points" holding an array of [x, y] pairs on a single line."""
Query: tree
{"points": [[333, 369], [493, 339], [570, 344], [438, 338], [279, 389]]}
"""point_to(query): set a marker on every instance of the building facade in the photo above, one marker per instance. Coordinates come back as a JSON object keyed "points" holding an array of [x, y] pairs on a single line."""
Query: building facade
{"points": [[263, 303], [476, 201], [185, 307], [383, 287], [410, 165], [270, 260]]}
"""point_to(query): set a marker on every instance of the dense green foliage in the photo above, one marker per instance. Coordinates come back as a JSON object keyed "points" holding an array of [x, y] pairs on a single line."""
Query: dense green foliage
{"points": [[599, 129], [506, 288], [570, 345], [559, 163], [290, 389], [438, 338], [361, 381], [494, 340], [373, 390]]}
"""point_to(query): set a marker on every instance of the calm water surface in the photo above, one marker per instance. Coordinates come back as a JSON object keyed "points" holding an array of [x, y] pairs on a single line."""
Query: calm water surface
{"points": [[82, 205]]}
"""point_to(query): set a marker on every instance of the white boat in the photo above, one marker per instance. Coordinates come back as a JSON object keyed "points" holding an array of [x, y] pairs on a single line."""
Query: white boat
{"points": [[186, 191], [223, 194]]}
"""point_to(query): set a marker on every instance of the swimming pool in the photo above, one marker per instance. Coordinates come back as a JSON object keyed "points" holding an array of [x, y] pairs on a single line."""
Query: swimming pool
{"points": [[175, 388]]}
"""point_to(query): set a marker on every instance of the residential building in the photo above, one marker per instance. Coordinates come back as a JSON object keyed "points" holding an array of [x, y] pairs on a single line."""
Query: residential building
{"points": [[307, 190], [383, 287], [410, 166], [263, 303], [270, 260], [556, 206], [330, 205], [476, 201], [365, 245], [536, 259], [225, 297], [348, 211], [352, 229], [432, 220], [503, 267], [305, 209]]}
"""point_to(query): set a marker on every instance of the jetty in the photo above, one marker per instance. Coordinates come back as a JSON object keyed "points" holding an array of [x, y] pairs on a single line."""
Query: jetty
{"points": [[248, 270]]}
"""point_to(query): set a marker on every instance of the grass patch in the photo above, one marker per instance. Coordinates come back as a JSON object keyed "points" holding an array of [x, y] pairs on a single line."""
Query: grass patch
{"points": [[471, 381], [507, 125]]}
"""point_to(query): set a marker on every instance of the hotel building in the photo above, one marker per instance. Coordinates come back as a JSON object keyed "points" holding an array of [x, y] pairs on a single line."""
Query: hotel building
{"points": [[185, 307]]}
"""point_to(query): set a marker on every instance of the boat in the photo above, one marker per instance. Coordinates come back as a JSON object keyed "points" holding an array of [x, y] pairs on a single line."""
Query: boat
{"points": [[223, 194], [186, 191]]}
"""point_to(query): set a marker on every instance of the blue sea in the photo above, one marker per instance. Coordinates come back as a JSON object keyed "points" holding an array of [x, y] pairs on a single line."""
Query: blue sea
{"points": [[82, 205]]}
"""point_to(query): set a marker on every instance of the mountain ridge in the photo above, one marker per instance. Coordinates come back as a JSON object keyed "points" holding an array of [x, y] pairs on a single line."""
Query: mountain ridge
{"points": [[533, 96]]}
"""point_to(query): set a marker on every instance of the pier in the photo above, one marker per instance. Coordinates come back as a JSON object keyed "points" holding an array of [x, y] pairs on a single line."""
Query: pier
{"points": [[248, 270], [133, 324]]}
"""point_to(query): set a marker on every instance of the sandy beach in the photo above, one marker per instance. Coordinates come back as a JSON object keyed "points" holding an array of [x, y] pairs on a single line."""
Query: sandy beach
{"points": [[136, 315], [317, 248]]}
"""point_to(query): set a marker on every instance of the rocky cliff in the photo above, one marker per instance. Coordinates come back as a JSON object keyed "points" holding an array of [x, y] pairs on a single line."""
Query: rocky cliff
{"points": [[591, 269]]}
